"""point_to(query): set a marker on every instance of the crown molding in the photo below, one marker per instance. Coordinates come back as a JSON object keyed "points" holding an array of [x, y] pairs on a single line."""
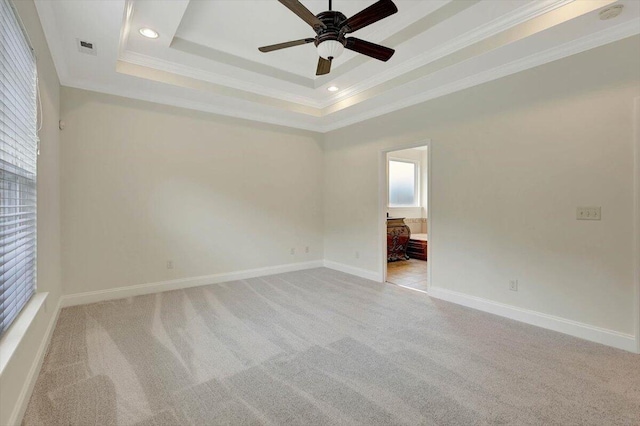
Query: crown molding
{"points": [[210, 77], [125, 29], [389, 35], [498, 25], [609, 35], [49, 27], [143, 95], [386, 29], [619, 32], [327, 123], [510, 20]]}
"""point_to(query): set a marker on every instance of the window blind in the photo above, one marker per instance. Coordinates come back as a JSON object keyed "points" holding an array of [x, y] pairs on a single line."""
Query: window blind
{"points": [[18, 151]]}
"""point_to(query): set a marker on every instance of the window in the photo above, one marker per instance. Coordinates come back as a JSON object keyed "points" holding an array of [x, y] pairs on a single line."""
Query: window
{"points": [[18, 147], [403, 183]]}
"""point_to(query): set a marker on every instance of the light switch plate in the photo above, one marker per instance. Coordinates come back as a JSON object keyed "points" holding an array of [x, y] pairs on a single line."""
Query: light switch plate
{"points": [[588, 213]]}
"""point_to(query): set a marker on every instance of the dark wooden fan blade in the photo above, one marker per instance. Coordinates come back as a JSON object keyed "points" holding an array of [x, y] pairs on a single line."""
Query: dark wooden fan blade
{"points": [[324, 66], [370, 49], [279, 46], [305, 14], [368, 16]]}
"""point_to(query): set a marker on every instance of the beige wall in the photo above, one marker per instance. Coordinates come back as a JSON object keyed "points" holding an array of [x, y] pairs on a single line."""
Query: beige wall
{"points": [[512, 159], [144, 184], [510, 162], [13, 379]]}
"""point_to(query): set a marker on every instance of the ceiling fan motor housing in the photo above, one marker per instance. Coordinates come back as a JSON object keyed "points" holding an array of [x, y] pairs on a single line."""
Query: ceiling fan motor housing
{"points": [[332, 19]]}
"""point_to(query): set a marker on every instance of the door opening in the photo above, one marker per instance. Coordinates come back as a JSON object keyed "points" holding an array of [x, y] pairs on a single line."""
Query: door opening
{"points": [[405, 208]]}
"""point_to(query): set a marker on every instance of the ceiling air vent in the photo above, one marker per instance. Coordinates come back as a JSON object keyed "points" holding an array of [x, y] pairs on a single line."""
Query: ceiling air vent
{"points": [[87, 47]]}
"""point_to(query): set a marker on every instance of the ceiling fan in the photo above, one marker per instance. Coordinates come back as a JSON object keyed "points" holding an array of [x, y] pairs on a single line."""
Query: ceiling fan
{"points": [[331, 28]]}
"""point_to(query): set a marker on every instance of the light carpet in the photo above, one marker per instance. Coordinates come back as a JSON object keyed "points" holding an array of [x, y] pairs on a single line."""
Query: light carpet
{"points": [[320, 347]]}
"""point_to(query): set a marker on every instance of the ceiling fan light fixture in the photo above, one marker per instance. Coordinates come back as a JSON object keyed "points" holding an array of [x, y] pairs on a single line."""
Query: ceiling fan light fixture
{"points": [[331, 26], [149, 33], [330, 49]]}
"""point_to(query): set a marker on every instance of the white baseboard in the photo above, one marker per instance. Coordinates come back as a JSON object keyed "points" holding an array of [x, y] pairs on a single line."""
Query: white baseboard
{"points": [[595, 334], [612, 338], [157, 287], [358, 272], [30, 381]]}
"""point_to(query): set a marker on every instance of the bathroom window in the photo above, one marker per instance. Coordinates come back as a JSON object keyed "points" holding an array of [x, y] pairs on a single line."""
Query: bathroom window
{"points": [[403, 183]]}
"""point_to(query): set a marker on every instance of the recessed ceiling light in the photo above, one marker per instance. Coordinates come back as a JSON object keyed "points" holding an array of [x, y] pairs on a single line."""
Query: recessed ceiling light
{"points": [[149, 33], [333, 88]]}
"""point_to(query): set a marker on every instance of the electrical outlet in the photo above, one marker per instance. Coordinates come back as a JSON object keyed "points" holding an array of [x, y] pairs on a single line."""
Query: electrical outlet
{"points": [[293, 251], [357, 255], [513, 285], [306, 249], [169, 264], [588, 213]]}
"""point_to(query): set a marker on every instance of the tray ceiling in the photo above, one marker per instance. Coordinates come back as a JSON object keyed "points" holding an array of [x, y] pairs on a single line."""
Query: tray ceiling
{"points": [[206, 56]]}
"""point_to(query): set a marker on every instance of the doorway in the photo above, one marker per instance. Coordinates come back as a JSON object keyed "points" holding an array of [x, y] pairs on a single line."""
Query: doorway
{"points": [[405, 230]]}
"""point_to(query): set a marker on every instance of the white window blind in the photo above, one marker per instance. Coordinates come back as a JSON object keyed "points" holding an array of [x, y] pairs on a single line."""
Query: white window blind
{"points": [[18, 151]]}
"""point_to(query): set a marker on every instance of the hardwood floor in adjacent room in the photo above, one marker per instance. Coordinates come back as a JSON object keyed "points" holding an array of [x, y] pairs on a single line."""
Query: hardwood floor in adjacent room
{"points": [[410, 273]]}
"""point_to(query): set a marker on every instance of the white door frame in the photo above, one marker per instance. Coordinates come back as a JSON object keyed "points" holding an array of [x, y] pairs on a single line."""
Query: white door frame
{"points": [[382, 205], [636, 220]]}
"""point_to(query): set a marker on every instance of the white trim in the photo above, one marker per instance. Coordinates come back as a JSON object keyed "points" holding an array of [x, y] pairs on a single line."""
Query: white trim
{"points": [[209, 107], [636, 220], [48, 20], [125, 29], [573, 328], [352, 270], [332, 121], [157, 287], [429, 214], [16, 332], [219, 79], [383, 197], [517, 17], [30, 381], [610, 35]]}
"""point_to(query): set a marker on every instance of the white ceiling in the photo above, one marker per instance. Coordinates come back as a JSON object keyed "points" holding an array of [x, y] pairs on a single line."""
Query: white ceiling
{"points": [[207, 57]]}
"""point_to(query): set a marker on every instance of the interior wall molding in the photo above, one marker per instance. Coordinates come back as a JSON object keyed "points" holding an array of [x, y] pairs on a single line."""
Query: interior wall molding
{"points": [[580, 330], [584, 331], [240, 62], [333, 121], [429, 14], [32, 376], [510, 20], [56, 47], [182, 283], [209, 107], [352, 270], [383, 207], [199, 74], [636, 218], [619, 32], [609, 35]]}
